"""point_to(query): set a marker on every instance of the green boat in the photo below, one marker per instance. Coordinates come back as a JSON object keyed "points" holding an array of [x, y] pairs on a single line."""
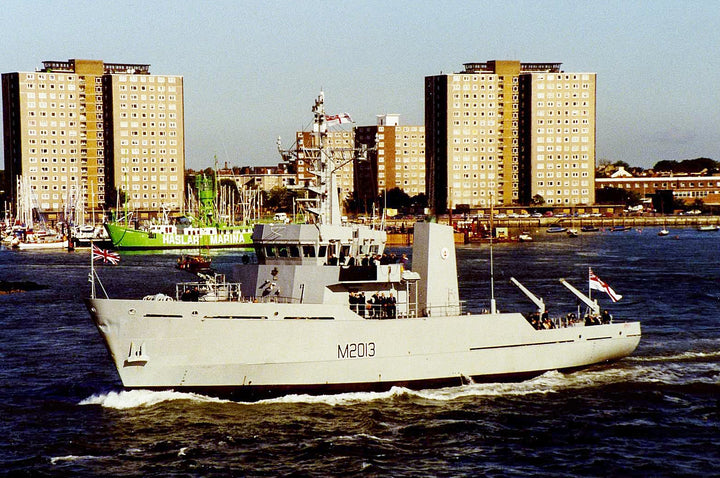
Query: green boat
{"points": [[170, 236], [204, 231]]}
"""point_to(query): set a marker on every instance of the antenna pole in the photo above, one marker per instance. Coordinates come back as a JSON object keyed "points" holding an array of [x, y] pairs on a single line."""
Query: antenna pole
{"points": [[92, 270], [493, 308], [589, 288]]}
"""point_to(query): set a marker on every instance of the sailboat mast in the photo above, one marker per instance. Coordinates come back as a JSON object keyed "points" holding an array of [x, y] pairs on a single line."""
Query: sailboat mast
{"points": [[127, 191], [92, 191]]}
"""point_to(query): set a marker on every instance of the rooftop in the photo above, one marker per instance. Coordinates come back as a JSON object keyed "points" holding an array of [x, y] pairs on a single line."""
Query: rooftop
{"points": [[490, 67], [111, 68]]}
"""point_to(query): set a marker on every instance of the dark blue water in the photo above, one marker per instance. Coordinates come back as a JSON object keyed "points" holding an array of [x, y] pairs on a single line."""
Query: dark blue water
{"points": [[656, 413]]}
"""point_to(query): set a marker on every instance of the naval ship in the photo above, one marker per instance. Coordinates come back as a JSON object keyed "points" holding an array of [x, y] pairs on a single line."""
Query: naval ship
{"points": [[313, 311]]}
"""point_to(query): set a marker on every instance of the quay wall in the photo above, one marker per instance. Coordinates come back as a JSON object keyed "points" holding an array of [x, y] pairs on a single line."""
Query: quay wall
{"points": [[515, 225], [633, 221]]}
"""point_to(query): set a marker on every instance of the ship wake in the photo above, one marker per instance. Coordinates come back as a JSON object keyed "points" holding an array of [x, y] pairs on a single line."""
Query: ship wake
{"points": [[547, 383], [126, 399]]}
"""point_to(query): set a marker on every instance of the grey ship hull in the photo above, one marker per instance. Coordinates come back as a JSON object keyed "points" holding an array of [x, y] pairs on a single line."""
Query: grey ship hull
{"points": [[252, 351]]}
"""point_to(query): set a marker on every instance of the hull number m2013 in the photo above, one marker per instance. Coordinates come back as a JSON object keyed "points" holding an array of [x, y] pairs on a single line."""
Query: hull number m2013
{"points": [[359, 350]]}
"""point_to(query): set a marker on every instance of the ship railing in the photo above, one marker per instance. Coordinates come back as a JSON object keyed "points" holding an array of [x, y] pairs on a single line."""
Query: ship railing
{"points": [[445, 310], [274, 299], [404, 310], [380, 311], [570, 320], [207, 291]]}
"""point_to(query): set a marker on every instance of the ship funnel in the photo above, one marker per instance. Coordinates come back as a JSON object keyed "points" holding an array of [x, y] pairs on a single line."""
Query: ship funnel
{"points": [[434, 259]]}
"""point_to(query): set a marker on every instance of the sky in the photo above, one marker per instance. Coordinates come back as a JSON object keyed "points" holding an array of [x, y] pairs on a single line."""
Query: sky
{"points": [[252, 70]]}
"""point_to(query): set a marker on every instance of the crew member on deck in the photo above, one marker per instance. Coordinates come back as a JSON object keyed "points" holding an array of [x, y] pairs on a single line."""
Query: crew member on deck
{"points": [[391, 306], [361, 304]]}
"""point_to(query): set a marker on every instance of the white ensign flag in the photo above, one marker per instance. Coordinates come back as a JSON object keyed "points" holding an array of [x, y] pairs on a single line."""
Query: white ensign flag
{"points": [[597, 284]]}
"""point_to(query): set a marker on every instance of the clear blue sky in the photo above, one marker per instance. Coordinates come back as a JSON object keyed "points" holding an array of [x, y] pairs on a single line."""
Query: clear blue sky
{"points": [[253, 69]]}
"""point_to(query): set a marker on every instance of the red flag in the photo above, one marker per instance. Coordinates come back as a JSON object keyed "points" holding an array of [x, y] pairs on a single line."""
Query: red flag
{"points": [[106, 256]]}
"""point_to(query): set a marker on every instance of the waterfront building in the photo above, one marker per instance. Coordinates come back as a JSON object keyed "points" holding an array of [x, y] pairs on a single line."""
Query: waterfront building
{"points": [[505, 132], [685, 187], [88, 128], [396, 157]]}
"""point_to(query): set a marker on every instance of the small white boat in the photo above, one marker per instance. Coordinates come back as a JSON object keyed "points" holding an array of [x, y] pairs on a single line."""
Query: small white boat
{"points": [[708, 228], [55, 243], [82, 236], [663, 232], [525, 237]]}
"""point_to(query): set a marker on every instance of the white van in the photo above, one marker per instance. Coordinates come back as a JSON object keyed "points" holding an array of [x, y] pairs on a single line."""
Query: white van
{"points": [[281, 217]]}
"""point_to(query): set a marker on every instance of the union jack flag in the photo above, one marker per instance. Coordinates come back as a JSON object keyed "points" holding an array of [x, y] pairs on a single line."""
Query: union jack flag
{"points": [[106, 256]]}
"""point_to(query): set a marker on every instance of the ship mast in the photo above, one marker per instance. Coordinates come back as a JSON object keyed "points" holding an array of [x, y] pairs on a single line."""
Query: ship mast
{"points": [[328, 209], [323, 164]]}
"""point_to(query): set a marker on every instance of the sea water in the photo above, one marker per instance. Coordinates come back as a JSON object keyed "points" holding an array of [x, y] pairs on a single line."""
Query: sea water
{"points": [[656, 413]]}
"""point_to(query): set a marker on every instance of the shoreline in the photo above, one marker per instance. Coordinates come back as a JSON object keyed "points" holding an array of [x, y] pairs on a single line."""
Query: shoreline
{"points": [[517, 225]]}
